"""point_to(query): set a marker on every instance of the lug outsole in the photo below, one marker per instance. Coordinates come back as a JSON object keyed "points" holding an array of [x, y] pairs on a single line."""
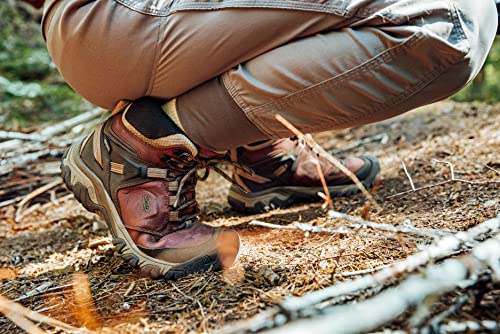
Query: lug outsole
{"points": [[201, 264]]}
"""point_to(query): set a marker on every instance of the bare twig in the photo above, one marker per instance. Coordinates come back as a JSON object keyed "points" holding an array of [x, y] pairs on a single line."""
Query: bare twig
{"points": [[361, 223], [36, 291], [33, 194], [452, 179], [10, 201], [99, 242], [39, 291], [363, 272], [195, 300], [130, 289], [328, 198], [493, 169], [408, 175], [318, 229], [321, 152]]}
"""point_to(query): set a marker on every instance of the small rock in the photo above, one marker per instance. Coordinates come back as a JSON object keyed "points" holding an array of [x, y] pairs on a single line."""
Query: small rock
{"points": [[268, 274], [490, 203], [98, 226]]}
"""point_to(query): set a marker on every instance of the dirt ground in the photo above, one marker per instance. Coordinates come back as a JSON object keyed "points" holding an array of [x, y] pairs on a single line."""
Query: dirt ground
{"points": [[51, 244]]}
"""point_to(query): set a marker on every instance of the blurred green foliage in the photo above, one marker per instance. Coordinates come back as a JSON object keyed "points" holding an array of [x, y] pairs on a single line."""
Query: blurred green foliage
{"points": [[486, 86], [31, 90]]}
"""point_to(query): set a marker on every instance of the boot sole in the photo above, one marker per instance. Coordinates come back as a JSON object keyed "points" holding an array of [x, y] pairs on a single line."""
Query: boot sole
{"points": [[90, 192], [283, 197]]}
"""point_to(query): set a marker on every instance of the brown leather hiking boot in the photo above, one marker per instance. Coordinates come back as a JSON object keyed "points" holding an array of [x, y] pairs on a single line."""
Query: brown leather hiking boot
{"points": [[285, 173], [143, 184]]}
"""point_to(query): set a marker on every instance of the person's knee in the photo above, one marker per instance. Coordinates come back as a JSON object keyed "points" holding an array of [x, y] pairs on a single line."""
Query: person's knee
{"points": [[462, 40]]}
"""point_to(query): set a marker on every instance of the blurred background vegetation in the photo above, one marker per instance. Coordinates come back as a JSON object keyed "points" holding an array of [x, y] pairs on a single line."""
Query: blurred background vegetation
{"points": [[31, 90]]}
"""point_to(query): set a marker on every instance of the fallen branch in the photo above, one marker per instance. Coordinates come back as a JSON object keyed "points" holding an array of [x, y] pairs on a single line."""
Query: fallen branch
{"points": [[435, 323], [33, 194], [4, 135], [361, 223], [318, 229], [388, 305], [24, 318], [438, 250], [470, 326], [321, 152], [48, 132], [7, 166], [297, 307]]}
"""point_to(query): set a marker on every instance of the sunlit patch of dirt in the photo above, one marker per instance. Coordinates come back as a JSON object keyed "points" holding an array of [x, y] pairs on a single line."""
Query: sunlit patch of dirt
{"points": [[49, 247]]}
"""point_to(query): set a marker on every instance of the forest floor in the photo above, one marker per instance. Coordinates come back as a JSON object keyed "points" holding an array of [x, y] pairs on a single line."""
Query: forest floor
{"points": [[50, 245]]}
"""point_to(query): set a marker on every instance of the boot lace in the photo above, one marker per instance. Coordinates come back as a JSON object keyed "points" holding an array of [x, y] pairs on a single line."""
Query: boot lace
{"points": [[183, 170]]}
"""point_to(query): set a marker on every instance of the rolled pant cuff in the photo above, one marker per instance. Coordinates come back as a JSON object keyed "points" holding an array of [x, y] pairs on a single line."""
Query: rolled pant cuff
{"points": [[213, 120]]}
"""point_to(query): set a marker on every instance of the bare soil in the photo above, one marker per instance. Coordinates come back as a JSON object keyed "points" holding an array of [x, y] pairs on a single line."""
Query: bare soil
{"points": [[53, 243]]}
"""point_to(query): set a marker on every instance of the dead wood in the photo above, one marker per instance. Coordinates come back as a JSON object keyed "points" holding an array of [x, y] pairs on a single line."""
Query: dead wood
{"points": [[25, 318], [361, 223], [348, 230], [30, 196], [470, 326], [298, 307], [389, 304]]}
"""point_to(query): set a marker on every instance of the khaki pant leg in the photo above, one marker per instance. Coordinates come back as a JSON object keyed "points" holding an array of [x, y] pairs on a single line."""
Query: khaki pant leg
{"points": [[392, 61]]}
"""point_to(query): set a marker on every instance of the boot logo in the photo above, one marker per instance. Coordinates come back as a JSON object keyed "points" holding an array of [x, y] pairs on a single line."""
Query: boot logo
{"points": [[146, 205]]}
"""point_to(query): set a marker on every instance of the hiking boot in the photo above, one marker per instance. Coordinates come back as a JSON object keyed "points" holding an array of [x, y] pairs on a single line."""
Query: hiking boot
{"points": [[139, 171], [285, 173]]}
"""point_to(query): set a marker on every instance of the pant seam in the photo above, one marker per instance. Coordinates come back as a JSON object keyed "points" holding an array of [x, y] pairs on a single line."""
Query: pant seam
{"points": [[304, 5], [156, 57], [235, 95], [453, 13], [233, 91], [370, 64]]}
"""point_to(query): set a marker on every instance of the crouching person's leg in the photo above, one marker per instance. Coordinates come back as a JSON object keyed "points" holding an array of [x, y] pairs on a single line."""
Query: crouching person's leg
{"points": [[397, 58]]}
